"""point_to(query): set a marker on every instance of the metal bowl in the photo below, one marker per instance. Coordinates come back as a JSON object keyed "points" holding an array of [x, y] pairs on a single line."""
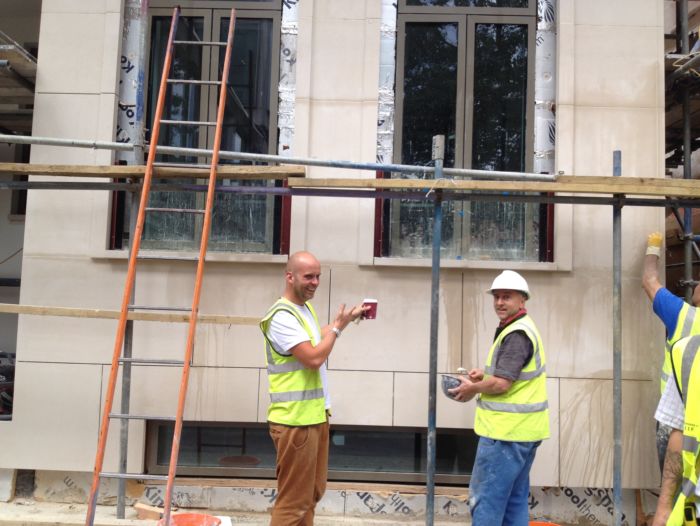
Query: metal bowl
{"points": [[449, 382]]}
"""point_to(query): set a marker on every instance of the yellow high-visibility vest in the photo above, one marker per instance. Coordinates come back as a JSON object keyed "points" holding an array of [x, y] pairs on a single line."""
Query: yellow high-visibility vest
{"points": [[687, 324], [686, 370], [521, 414], [296, 392]]}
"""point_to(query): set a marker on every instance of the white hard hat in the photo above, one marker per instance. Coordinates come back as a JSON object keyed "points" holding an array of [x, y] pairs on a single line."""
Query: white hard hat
{"points": [[510, 280]]}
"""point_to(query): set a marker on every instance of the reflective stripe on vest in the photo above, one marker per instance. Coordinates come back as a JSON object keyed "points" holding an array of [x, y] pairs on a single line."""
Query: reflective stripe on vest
{"points": [[686, 367], [296, 392], [521, 413], [296, 396], [512, 408], [685, 326]]}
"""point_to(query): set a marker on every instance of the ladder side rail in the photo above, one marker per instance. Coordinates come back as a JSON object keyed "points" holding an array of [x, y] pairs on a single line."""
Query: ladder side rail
{"points": [[206, 227], [131, 272]]}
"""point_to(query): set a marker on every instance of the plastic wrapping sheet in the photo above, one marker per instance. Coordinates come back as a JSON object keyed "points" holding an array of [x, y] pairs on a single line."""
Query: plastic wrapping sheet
{"points": [[545, 87], [288, 79], [131, 80], [545, 66], [387, 72], [385, 125]]}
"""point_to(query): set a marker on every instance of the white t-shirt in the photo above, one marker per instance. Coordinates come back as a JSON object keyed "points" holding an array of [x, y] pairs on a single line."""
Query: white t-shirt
{"points": [[285, 332], [671, 412]]}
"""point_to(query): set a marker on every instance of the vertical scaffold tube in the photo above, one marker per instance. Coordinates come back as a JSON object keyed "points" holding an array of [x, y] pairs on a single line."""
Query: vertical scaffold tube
{"points": [[438, 155]]}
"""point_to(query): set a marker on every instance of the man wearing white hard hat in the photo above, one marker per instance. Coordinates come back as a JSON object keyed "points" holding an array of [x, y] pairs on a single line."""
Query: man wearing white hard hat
{"points": [[512, 417]]}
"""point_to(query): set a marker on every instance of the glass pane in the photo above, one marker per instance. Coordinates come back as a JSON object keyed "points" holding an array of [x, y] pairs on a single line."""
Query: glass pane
{"points": [[430, 91], [429, 108], [218, 446], [366, 450], [175, 230], [469, 3], [246, 222], [500, 97], [7, 384], [501, 230], [400, 451]]}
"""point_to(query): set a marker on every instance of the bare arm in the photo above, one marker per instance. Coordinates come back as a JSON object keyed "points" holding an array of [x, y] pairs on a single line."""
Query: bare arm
{"points": [[313, 357], [671, 478], [650, 277]]}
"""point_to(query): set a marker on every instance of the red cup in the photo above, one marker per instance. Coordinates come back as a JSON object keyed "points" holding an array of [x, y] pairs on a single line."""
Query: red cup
{"points": [[370, 313]]}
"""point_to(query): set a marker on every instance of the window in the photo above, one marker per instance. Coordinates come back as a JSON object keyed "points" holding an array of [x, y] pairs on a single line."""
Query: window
{"points": [[465, 70], [469, 3], [355, 453], [240, 222], [18, 200]]}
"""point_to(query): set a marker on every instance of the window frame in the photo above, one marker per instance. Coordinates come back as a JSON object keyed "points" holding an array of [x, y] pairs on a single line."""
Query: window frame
{"points": [[268, 5], [417, 476], [531, 24], [467, 20], [461, 78], [530, 10], [278, 207]]}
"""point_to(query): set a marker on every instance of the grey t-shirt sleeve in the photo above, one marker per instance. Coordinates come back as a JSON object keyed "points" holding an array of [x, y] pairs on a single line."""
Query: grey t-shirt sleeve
{"points": [[516, 350]]}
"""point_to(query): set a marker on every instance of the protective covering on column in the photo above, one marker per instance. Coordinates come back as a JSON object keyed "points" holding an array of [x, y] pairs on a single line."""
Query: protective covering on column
{"points": [[545, 87], [288, 77], [131, 116]]}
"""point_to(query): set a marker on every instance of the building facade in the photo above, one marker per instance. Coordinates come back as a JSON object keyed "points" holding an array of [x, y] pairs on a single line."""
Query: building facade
{"points": [[361, 81]]}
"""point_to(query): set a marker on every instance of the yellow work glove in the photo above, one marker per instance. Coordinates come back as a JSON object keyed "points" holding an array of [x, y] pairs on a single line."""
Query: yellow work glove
{"points": [[654, 244]]}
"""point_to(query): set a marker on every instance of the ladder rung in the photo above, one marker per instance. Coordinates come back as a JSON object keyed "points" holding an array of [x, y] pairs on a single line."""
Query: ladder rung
{"points": [[180, 210], [187, 81], [199, 43], [151, 361], [168, 258], [153, 307], [189, 123], [141, 417], [134, 476]]}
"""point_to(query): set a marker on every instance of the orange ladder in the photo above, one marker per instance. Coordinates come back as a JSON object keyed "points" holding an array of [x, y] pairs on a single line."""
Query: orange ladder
{"points": [[117, 359]]}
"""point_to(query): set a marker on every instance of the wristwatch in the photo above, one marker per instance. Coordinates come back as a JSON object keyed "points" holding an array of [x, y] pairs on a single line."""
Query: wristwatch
{"points": [[337, 331]]}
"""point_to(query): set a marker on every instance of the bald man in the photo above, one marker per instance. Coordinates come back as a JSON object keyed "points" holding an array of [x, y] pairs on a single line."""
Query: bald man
{"points": [[297, 348]]}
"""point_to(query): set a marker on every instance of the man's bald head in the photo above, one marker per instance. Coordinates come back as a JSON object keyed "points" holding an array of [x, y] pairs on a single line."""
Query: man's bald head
{"points": [[299, 259], [302, 277]]}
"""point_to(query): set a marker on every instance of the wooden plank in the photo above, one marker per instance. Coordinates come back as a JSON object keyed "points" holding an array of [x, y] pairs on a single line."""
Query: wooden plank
{"points": [[147, 512], [564, 184], [224, 171], [72, 312], [639, 186], [19, 59]]}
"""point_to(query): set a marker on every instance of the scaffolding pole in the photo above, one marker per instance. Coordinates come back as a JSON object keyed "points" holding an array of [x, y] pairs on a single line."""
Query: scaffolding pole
{"points": [[276, 159], [438, 155], [617, 347], [131, 130], [683, 42]]}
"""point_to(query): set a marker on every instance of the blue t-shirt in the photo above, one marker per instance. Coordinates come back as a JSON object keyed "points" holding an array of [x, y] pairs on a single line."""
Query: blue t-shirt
{"points": [[667, 306]]}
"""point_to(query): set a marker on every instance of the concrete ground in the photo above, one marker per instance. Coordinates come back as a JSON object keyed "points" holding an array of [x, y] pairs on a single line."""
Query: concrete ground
{"points": [[28, 512]]}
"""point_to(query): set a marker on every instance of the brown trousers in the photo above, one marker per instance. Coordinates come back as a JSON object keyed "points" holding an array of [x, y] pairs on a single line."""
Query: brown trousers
{"points": [[302, 470]]}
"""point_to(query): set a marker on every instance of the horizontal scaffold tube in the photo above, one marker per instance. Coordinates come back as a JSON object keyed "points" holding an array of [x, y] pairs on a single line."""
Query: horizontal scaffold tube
{"points": [[303, 161]]}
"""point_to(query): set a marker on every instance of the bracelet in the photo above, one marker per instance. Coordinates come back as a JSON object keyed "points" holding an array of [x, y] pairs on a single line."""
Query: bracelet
{"points": [[337, 331]]}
